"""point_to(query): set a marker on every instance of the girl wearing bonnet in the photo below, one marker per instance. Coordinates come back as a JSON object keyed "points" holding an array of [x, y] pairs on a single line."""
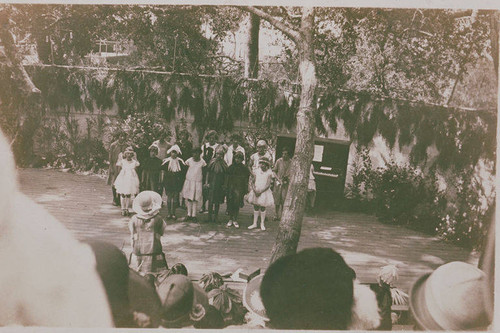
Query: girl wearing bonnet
{"points": [[127, 181], [173, 180]]}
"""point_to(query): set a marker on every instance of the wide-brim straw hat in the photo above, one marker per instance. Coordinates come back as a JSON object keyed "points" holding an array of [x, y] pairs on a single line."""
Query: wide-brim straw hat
{"points": [[252, 300], [450, 298], [147, 204]]}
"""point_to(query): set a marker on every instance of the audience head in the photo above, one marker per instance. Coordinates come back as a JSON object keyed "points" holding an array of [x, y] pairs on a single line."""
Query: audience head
{"points": [[178, 269], [179, 297], [207, 317], [144, 300], [312, 289], [112, 267], [450, 298]]}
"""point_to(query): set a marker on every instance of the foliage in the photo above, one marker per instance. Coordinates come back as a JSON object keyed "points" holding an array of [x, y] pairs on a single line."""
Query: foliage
{"points": [[211, 281], [462, 138], [141, 130], [403, 195], [170, 37], [469, 215], [61, 145], [229, 303]]}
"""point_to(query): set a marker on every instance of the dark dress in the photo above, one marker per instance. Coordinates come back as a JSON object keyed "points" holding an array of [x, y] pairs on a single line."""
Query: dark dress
{"points": [[384, 301], [186, 149], [216, 178], [173, 181], [151, 170], [237, 186]]}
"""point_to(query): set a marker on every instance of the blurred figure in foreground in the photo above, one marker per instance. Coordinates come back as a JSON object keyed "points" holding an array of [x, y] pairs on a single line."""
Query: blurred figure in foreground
{"points": [[48, 278]]}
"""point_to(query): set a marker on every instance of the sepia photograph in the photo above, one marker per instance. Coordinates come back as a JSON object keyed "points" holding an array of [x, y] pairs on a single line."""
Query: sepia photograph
{"points": [[248, 166]]}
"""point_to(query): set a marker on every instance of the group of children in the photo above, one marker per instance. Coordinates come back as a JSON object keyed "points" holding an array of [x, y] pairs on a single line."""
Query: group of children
{"points": [[213, 174]]}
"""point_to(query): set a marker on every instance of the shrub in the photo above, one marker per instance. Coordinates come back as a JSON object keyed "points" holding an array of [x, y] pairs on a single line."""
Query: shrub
{"points": [[403, 196], [469, 215]]}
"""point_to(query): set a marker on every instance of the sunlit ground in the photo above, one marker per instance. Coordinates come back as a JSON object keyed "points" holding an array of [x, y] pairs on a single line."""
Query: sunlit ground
{"points": [[83, 205]]}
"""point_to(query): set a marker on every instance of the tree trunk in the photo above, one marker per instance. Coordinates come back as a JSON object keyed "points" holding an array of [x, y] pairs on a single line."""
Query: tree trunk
{"points": [[252, 54], [13, 57], [494, 39], [290, 226]]}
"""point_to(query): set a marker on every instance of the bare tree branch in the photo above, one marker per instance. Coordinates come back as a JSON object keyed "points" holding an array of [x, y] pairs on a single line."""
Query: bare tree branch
{"points": [[285, 28]]}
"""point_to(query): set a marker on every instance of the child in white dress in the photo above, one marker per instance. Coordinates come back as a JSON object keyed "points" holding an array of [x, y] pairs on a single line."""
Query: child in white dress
{"points": [[193, 185], [127, 181], [261, 195]]}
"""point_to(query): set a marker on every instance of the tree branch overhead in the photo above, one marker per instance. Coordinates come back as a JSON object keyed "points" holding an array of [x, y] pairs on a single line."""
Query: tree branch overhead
{"points": [[285, 28]]}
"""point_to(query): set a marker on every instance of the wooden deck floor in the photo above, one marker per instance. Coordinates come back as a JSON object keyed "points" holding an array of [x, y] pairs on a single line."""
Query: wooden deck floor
{"points": [[83, 204]]}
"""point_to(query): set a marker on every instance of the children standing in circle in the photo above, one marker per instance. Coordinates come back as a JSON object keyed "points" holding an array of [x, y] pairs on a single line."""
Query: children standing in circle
{"points": [[173, 179], [260, 195], [127, 181], [193, 185], [146, 229]]}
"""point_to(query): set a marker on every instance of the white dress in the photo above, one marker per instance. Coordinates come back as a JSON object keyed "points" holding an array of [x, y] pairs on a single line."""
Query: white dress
{"points": [[265, 199], [255, 158], [127, 181], [193, 186]]}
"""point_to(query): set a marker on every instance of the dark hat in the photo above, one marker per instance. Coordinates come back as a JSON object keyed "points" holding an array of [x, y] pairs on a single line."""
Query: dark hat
{"points": [[112, 267], [207, 317], [144, 299], [178, 296], [312, 289]]}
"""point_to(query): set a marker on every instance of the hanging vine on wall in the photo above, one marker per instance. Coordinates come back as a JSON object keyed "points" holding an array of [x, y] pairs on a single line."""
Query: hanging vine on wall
{"points": [[462, 138]]}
